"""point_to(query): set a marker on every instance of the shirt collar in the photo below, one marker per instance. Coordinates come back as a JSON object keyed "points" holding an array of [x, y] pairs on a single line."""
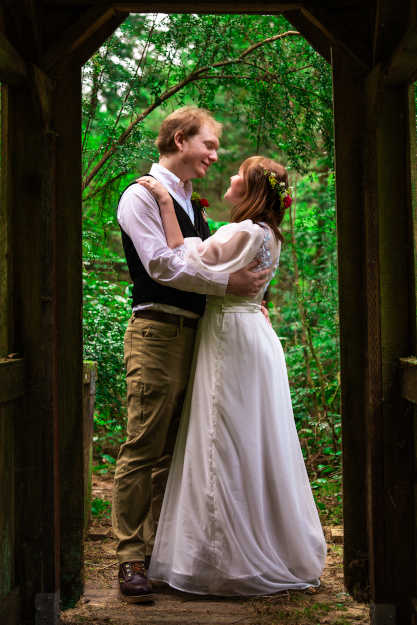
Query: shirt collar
{"points": [[171, 181]]}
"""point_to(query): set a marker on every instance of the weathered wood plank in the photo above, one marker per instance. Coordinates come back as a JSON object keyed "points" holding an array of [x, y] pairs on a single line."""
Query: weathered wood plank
{"points": [[409, 378], [373, 371], [43, 88], [337, 25], [10, 608], [12, 379], [390, 448], [6, 260], [76, 34], [204, 6], [12, 67], [401, 66], [68, 298], [411, 154], [348, 120], [311, 32], [7, 499], [198, 6], [36, 448], [85, 50], [372, 127]]}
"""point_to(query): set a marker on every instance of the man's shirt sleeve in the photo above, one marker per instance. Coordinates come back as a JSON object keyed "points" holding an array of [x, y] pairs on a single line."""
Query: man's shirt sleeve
{"points": [[138, 215]]}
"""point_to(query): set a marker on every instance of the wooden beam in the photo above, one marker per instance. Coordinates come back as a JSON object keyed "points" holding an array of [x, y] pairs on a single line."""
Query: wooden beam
{"points": [[76, 35], [182, 6], [12, 379], [9, 599], [314, 35], [37, 522], [44, 88], [402, 66], [6, 199], [375, 125], [205, 6], [12, 67], [392, 476], [91, 45], [409, 378], [395, 40], [348, 115], [10, 608], [337, 30], [67, 293]]}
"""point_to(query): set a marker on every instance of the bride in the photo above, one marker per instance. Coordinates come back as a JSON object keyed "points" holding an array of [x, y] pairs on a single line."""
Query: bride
{"points": [[238, 517]]}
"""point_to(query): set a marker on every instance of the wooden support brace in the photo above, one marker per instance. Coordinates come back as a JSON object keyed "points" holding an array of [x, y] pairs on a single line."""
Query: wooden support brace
{"points": [[311, 32], [77, 34], [12, 379], [10, 608], [12, 67], [383, 614], [332, 37], [402, 65], [409, 378], [43, 88], [85, 50], [203, 6], [348, 114], [182, 6]]}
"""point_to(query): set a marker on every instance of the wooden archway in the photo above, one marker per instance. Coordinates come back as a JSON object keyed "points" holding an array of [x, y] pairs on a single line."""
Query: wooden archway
{"points": [[373, 50]]}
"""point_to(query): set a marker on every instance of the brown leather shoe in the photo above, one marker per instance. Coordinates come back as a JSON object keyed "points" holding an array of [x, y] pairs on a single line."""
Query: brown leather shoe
{"points": [[133, 584]]}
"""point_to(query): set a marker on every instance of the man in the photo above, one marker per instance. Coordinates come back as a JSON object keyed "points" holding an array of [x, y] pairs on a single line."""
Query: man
{"points": [[168, 299]]}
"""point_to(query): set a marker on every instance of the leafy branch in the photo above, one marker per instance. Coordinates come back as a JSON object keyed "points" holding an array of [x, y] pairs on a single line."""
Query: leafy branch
{"points": [[195, 75]]}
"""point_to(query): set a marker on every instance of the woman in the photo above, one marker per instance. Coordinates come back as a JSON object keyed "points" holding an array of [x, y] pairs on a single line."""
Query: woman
{"points": [[238, 516]]}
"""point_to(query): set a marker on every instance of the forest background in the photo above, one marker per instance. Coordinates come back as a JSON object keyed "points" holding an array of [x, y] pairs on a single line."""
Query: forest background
{"points": [[273, 94]]}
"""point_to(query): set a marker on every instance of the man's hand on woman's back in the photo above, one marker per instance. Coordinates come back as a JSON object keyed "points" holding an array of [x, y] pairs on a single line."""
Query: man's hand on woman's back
{"points": [[247, 282]]}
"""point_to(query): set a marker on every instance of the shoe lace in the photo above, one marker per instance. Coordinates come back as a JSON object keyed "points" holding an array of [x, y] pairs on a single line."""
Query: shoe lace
{"points": [[134, 567]]}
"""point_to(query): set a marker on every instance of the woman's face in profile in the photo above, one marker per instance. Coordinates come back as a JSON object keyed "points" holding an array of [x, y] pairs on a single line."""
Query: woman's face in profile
{"points": [[236, 189]]}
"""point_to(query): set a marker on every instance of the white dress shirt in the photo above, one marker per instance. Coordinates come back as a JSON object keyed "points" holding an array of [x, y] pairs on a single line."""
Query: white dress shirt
{"points": [[138, 215]]}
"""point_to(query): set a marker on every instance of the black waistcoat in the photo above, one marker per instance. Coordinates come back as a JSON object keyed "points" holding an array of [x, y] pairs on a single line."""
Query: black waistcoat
{"points": [[145, 289]]}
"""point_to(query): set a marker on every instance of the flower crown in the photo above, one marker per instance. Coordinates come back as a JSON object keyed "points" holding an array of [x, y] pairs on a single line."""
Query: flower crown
{"points": [[280, 188]]}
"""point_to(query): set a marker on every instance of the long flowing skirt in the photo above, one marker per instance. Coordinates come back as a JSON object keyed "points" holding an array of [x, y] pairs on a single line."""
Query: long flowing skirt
{"points": [[238, 517]]}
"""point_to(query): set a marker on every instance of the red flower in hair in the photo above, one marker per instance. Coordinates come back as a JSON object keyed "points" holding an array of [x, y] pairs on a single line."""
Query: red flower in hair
{"points": [[287, 201], [204, 202]]}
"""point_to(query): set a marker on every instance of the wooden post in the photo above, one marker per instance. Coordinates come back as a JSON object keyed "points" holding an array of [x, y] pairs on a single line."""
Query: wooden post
{"points": [[348, 122], [373, 173], [66, 126], [37, 526]]}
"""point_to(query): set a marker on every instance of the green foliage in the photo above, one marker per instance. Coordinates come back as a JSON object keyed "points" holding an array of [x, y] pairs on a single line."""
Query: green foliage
{"points": [[275, 99], [106, 311], [100, 508]]}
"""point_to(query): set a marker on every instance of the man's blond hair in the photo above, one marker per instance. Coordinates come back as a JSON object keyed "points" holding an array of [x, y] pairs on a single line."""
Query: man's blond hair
{"points": [[187, 120]]}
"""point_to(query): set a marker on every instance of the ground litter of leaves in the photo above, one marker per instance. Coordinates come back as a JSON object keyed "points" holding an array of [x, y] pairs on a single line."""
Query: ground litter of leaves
{"points": [[100, 605]]}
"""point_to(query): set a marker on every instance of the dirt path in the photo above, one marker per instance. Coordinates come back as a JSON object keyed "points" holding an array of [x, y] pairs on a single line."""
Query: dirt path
{"points": [[100, 605]]}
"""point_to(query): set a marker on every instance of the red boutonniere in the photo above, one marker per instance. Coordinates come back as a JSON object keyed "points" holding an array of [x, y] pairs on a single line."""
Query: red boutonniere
{"points": [[201, 203]]}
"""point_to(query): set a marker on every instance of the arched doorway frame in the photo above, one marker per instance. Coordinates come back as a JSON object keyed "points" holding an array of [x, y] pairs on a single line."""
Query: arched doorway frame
{"points": [[375, 134]]}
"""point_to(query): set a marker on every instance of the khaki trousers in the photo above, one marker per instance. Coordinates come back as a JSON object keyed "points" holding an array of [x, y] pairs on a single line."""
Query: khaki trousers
{"points": [[158, 361]]}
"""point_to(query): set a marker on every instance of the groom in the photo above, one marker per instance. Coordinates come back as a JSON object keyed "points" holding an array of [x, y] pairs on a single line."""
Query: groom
{"points": [[168, 299]]}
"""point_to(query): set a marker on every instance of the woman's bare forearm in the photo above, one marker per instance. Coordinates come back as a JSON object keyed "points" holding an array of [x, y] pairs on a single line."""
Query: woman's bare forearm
{"points": [[172, 229]]}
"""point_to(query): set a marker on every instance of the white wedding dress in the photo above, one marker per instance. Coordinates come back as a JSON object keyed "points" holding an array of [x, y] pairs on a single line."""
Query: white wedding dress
{"points": [[238, 517]]}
